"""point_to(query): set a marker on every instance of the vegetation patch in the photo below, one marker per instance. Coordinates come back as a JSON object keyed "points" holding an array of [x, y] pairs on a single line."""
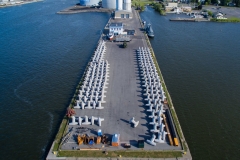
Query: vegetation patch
{"points": [[60, 133], [231, 19], [159, 8], [137, 3], [125, 153]]}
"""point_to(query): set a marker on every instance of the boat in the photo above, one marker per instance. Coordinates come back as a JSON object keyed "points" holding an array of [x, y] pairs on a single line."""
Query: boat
{"points": [[110, 36], [144, 22], [149, 30]]}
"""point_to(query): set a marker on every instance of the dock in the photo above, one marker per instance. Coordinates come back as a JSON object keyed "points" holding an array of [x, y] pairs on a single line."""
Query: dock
{"points": [[190, 19], [121, 94]]}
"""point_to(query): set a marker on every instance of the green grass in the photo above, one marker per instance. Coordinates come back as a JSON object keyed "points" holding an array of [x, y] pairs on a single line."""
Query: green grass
{"points": [[60, 134], [126, 153], [141, 2], [231, 19]]}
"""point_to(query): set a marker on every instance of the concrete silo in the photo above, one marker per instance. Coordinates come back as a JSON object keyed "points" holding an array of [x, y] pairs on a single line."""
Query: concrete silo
{"points": [[89, 2], [119, 5], [127, 5], [111, 4]]}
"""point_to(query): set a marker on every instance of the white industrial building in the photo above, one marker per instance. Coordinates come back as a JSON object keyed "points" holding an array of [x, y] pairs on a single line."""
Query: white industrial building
{"points": [[110, 4], [89, 2], [9, 2], [116, 28], [123, 7]]}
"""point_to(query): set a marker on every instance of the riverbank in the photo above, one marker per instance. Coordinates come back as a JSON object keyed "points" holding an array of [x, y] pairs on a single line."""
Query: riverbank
{"points": [[17, 3], [123, 90]]}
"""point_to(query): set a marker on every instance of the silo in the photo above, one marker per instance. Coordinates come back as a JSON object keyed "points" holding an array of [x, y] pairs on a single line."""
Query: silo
{"points": [[111, 4], [124, 4], [89, 2], [120, 4], [127, 4]]}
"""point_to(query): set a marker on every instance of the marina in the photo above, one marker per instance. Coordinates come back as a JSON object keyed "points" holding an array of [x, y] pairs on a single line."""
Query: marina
{"points": [[122, 96]]}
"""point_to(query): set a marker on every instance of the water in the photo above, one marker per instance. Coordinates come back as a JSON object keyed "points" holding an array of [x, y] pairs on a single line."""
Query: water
{"points": [[200, 63], [43, 56]]}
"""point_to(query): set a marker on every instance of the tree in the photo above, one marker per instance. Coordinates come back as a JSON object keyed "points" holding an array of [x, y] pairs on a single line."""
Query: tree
{"points": [[124, 44], [70, 112], [210, 13], [213, 1]]}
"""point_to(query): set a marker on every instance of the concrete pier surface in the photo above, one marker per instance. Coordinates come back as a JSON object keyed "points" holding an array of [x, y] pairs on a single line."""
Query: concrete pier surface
{"points": [[124, 100]]}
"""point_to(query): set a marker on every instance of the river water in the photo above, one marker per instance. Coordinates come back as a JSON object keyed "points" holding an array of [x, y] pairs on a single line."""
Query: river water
{"points": [[200, 63], [43, 56]]}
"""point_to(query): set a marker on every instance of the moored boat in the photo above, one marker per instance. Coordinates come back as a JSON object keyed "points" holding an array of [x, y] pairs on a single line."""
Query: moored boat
{"points": [[149, 31]]}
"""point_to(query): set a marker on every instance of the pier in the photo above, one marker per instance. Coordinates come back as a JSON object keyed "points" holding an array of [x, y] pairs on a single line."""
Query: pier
{"points": [[122, 93]]}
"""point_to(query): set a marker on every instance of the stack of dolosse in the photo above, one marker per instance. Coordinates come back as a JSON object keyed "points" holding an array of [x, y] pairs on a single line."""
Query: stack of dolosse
{"points": [[154, 94], [92, 92]]}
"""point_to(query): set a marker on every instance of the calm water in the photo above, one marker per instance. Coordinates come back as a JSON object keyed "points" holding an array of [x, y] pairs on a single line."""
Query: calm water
{"points": [[43, 56], [200, 63]]}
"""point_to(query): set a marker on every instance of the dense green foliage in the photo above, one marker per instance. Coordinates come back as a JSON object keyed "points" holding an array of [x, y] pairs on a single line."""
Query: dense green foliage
{"points": [[222, 2], [210, 13], [159, 8]]}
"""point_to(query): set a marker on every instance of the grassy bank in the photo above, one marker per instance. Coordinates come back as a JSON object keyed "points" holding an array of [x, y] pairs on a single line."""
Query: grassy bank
{"points": [[111, 154], [137, 3], [231, 19], [60, 134]]}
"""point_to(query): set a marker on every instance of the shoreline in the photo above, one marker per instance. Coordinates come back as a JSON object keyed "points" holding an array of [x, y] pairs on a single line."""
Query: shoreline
{"points": [[52, 154], [18, 4]]}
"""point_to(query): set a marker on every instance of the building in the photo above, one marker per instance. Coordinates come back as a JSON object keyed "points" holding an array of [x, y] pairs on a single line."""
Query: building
{"points": [[218, 16], [7, 2], [187, 9], [110, 4], [89, 2], [171, 6], [123, 14], [116, 28], [123, 8]]}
